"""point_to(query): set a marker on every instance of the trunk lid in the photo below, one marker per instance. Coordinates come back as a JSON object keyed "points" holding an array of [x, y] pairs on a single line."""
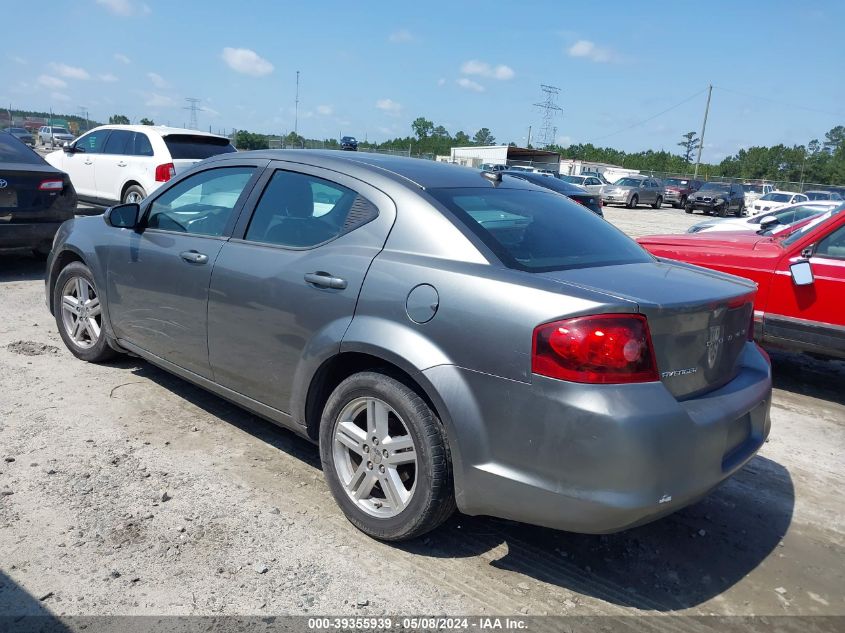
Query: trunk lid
{"points": [[698, 318], [22, 201]]}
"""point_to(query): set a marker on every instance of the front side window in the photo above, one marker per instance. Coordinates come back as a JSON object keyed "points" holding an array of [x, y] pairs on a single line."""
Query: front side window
{"points": [[833, 245], [301, 211], [201, 204], [537, 231], [93, 142]]}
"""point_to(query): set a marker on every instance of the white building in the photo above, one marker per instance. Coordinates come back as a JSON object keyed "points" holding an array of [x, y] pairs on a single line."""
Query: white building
{"points": [[504, 155], [573, 167]]}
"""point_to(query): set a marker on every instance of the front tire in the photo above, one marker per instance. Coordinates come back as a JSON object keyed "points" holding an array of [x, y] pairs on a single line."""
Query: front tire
{"points": [[632, 203], [134, 194], [79, 314], [657, 203], [385, 458]]}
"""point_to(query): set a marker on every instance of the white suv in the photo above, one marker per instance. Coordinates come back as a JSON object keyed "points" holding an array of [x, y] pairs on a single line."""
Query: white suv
{"points": [[125, 163]]}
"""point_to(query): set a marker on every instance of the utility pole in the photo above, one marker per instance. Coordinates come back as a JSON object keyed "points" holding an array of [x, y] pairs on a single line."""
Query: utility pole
{"points": [[296, 106], [193, 108], [528, 144], [703, 129]]}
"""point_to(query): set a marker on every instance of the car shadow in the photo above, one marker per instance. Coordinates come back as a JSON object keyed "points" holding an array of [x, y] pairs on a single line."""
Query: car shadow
{"points": [[802, 374], [678, 562], [20, 265], [21, 611]]}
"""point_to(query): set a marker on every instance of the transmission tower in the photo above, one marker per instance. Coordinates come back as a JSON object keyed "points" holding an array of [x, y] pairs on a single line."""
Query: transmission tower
{"points": [[550, 109], [193, 107]]}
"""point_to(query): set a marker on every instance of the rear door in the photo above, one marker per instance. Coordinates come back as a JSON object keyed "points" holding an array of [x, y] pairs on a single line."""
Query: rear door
{"points": [[113, 165], [157, 278], [284, 288]]}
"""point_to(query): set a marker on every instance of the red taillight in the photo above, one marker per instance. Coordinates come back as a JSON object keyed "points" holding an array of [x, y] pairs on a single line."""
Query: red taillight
{"points": [[51, 185], [165, 172], [603, 349]]}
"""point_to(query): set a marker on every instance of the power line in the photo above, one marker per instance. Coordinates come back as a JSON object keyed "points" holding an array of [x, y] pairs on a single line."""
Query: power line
{"points": [[782, 103], [193, 106], [651, 118]]}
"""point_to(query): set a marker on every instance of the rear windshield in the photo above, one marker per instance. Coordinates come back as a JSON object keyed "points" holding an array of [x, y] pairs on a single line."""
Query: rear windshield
{"points": [[753, 188], [537, 231], [196, 147], [819, 195], [777, 197], [13, 151], [675, 182], [575, 180]]}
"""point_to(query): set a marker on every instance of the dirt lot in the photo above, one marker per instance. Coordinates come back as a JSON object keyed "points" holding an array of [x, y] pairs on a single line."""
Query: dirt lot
{"points": [[128, 491]]}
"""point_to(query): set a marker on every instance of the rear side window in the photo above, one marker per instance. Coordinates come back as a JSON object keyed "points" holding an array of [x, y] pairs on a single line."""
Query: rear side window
{"points": [[538, 232], [300, 211], [119, 142], [196, 147], [142, 145], [14, 151]]}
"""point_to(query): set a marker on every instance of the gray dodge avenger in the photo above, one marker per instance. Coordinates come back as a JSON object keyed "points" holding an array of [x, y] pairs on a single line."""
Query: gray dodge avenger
{"points": [[450, 338]]}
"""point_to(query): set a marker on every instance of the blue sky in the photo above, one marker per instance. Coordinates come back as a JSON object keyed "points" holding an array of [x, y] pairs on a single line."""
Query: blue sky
{"points": [[368, 69]]}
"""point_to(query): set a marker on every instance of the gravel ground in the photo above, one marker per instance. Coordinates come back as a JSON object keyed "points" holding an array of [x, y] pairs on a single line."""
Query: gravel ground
{"points": [[124, 490]]}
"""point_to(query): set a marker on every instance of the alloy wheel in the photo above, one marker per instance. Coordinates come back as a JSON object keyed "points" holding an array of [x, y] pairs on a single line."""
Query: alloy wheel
{"points": [[375, 457], [81, 312]]}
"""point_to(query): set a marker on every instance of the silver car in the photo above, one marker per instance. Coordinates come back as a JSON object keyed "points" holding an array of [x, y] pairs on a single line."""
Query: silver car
{"points": [[53, 135], [634, 190], [448, 337]]}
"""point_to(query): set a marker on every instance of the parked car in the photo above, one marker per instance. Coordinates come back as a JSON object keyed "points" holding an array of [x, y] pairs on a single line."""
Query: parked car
{"points": [[822, 195], [754, 191], [775, 222], [125, 163], [493, 167], [52, 135], [634, 190], [35, 198], [677, 190], [579, 194], [775, 200], [448, 337], [718, 198], [22, 134], [800, 275], [590, 183], [596, 174], [349, 143]]}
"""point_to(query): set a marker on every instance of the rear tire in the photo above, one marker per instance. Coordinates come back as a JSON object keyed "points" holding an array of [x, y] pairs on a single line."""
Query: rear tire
{"points": [[740, 211], [723, 212], [79, 314], [688, 208], [657, 203], [134, 194], [632, 203], [366, 413]]}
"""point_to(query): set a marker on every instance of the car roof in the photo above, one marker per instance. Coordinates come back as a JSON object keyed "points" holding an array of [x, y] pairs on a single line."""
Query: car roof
{"points": [[426, 174], [161, 130]]}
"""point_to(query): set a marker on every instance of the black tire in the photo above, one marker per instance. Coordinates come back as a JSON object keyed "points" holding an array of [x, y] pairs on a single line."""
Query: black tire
{"points": [[632, 203], [133, 191], [740, 211], [657, 203], [677, 205], [688, 208], [433, 500], [99, 351], [723, 211]]}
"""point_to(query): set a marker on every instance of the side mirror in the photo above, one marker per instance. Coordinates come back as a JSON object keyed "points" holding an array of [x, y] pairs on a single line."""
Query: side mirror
{"points": [[68, 148], [802, 273], [123, 216], [768, 222]]}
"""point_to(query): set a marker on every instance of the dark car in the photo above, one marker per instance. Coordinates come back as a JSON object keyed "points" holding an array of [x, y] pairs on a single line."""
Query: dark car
{"points": [[677, 190], [577, 193], [718, 198], [349, 143], [449, 337], [23, 134], [35, 198]]}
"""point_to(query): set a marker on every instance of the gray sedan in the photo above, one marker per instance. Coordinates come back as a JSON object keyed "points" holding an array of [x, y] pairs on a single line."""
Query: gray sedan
{"points": [[448, 337], [634, 190]]}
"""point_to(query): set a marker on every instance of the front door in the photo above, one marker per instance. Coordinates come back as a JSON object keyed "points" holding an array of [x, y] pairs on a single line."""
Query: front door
{"points": [[284, 288], [157, 278], [82, 163]]}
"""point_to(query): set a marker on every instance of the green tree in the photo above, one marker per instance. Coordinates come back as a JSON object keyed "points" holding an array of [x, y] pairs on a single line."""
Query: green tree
{"points": [[690, 143], [119, 119], [462, 139], [146, 121], [422, 128], [483, 137], [250, 140], [834, 139]]}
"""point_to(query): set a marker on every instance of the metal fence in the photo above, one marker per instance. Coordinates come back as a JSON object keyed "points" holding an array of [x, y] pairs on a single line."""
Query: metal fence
{"points": [[782, 185]]}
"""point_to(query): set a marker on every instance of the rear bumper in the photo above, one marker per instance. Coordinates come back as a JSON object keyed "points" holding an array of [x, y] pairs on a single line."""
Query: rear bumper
{"points": [[27, 235], [597, 459]]}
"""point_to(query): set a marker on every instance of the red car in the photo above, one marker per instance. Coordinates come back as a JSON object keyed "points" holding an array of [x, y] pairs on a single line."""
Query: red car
{"points": [[800, 273]]}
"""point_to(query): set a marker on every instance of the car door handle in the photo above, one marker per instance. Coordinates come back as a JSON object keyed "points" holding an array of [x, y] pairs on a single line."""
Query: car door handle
{"points": [[89, 162], [194, 257], [121, 164], [325, 280]]}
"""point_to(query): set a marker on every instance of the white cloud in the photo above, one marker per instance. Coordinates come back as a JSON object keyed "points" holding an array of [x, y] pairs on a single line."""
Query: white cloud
{"points": [[402, 36], [70, 72], [389, 106], [155, 100], [123, 59], [589, 50], [51, 82], [107, 77], [158, 80], [246, 61], [441, 81], [469, 84], [125, 8], [59, 96], [325, 110], [483, 69]]}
